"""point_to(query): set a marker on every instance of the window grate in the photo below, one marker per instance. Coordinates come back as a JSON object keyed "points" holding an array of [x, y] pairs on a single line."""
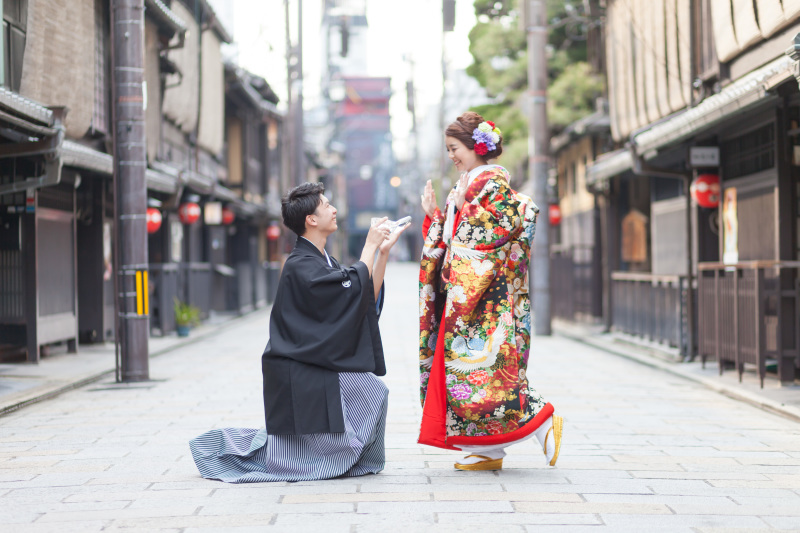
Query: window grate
{"points": [[59, 197], [750, 153]]}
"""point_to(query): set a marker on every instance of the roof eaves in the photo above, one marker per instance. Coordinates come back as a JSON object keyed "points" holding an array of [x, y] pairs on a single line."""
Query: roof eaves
{"points": [[165, 16], [25, 108], [609, 165], [214, 22], [740, 95]]}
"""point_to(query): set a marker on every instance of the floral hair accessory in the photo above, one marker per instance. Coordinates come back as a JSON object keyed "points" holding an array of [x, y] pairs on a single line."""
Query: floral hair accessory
{"points": [[486, 137]]}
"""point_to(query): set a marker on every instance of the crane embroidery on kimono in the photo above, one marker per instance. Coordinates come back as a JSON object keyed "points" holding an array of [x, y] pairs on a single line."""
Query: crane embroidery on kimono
{"points": [[432, 251], [463, 252], [476, 353]]}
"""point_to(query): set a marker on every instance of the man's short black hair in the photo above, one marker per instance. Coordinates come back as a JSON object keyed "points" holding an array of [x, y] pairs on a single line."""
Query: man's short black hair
{"points": [[300, 202]]}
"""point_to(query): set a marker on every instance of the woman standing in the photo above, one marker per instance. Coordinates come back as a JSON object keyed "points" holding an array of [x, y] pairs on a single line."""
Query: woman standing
{"points": [[475, 310]]}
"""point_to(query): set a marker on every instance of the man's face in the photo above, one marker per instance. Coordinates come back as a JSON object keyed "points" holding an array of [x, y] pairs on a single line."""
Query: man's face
{"points": [[325, 216]]}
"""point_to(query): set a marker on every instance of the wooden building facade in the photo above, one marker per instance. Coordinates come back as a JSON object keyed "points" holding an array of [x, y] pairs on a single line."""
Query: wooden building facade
{"points": [[718, 74], [576, 252], [56, 194]]}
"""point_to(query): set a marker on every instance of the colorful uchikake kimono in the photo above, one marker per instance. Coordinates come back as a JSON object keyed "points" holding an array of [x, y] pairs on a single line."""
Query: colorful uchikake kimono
{"points": [[475, 319]]}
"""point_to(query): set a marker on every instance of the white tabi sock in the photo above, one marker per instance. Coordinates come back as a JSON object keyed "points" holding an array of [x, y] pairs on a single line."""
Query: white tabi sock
{"points": [[491, 453], [542, 434]]}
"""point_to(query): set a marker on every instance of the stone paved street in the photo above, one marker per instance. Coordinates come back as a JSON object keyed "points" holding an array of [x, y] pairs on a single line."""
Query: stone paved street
{"points": [[643, 451]]}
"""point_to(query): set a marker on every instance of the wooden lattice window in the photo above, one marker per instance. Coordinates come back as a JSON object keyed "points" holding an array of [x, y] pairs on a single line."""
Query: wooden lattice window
{"points": [[750, 153]]}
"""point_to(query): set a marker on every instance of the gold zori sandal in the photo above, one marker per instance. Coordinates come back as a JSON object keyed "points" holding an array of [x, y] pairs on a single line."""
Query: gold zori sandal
{"points": [[487, 463], [557, 429]]}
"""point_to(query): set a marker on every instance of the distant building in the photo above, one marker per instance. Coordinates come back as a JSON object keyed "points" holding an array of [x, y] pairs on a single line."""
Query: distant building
{"points": [[363, 129]]}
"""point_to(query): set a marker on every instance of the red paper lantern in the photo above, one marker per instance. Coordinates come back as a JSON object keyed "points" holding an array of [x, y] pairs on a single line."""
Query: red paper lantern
{"points": [[228, 216], [705, 190], [189, 213], [554, 213], [273, 232], [153, 220]]}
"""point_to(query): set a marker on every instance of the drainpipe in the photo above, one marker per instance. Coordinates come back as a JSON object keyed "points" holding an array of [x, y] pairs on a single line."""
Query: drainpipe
{"points": [[49, 147], [641, 168]]}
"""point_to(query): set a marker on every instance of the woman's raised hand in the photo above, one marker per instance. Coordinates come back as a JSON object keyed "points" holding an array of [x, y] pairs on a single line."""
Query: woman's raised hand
{"points": [[461, 190], [429, 200]]}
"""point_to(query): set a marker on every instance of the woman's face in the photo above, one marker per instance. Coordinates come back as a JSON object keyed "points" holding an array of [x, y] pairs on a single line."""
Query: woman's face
{"points": [[462, 157]]}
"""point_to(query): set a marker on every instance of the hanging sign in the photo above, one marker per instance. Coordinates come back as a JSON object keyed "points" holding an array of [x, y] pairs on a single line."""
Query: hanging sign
{"points": [[212, 213], [704, 156], [730, 225]]}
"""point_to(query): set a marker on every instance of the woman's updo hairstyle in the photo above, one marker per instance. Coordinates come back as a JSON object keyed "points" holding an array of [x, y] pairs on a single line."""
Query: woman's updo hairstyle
{"points": [[462, 130]]}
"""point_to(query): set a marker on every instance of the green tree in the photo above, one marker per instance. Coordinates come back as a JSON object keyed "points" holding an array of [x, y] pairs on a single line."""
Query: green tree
{"points": [[499, 49], [572, 94]]}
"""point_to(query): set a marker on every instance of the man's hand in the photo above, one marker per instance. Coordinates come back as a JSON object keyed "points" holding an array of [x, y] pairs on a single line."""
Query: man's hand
{"points": [[429, 200], [377, 234], [388, 243]]}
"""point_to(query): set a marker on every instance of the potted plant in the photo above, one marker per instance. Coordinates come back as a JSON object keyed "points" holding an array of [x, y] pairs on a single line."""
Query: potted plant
{"points": [[186, 316]]}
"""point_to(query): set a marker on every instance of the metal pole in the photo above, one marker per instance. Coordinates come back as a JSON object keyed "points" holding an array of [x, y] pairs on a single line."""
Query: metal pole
{"points": [[290, 127], [443, 159], [2, 52], [299, 147], [538, 162], [689, 355], [130, 189], [412, 100]]}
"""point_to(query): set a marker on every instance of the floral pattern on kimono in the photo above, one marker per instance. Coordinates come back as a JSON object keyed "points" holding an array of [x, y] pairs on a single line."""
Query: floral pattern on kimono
{"points": [[479, 286]]}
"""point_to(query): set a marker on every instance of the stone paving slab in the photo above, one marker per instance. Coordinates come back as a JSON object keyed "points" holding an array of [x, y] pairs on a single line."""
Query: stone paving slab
{"points": [[644, 450], [773, 396]]}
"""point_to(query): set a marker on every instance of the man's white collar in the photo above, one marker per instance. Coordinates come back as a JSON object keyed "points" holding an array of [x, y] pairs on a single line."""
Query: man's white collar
{"points": [[323, 250]]}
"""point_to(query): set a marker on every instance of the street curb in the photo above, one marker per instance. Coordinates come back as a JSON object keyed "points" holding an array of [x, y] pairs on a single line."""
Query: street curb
{"points": [[755, 400], [212, 329]]}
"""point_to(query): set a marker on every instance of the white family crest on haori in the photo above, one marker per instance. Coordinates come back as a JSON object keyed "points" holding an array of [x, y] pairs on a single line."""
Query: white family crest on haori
{"points": [[476, 353], [346, 283]]}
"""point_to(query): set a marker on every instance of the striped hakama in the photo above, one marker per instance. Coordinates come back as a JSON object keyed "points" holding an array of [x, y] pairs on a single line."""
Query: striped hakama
{"points": [[242, 455]]}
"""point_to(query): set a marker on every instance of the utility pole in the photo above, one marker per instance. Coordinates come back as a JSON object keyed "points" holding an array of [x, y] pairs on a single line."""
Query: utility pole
{"points": [[443, 152], [448, 24], [130, 191], [294, 100], [290, 127], [299, 132], [411, 105], [539, 160]]}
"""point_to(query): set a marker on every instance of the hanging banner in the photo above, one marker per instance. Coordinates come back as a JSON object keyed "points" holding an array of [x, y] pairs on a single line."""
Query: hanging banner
{"points": [[634, 237], [730, 225]]}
